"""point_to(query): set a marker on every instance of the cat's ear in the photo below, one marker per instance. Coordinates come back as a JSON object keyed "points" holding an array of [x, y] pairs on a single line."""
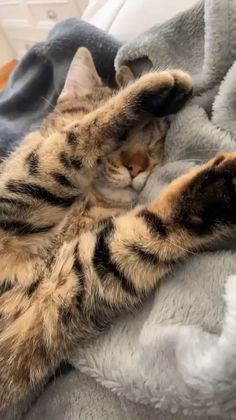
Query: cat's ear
{"points": [[82, 76], [124, 76]]}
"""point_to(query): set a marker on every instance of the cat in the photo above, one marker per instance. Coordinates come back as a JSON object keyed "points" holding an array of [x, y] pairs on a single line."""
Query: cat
{"points": [[68, 266], [121, 174]]}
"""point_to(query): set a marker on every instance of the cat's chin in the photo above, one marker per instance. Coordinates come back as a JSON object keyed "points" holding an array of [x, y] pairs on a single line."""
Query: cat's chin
{"points": [[119, 196]]}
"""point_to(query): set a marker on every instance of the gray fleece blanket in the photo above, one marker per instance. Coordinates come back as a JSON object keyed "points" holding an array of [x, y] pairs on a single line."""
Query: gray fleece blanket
{"points": [[178, 354]]}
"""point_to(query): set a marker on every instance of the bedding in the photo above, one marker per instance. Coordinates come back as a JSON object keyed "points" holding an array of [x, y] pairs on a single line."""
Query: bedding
{"points": [[178, 353]]}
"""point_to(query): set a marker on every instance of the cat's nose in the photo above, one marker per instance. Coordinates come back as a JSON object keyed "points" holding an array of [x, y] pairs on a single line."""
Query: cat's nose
{"points": [[135, 162], [134, 169]]}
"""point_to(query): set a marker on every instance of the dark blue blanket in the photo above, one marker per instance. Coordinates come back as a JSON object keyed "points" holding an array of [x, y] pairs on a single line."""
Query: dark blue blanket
{"points": [[38, 79]]}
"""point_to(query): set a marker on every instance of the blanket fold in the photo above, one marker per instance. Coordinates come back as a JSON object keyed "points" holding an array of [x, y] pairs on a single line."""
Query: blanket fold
{"points": [[200, 41], [38, 79], [178, 352]]}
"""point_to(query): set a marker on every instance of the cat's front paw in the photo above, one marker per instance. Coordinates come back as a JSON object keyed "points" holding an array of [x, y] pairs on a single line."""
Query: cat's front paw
{"points": [[164, 93], [208, 200]]}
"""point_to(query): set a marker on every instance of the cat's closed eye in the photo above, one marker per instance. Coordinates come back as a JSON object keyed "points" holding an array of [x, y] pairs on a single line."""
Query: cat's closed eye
{"points": [[123, 174]]}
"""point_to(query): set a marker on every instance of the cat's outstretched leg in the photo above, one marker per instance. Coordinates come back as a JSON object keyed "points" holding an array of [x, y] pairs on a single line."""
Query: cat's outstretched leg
{"points": [[139, 247], [49, 174], [107, 270], [159, 94]]}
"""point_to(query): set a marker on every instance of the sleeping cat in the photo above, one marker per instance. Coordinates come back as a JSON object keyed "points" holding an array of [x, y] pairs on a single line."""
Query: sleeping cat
{"points": [[68, 265], [121, 174]]}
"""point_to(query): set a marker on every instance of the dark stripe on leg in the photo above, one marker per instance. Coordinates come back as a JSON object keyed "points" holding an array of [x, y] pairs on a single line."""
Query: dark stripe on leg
{"points": [[82, 109], [76, 163], [13, 202], [69, 162], [154, 223], [5, 287], [151, 258], [144, 255], [32, 161], [72, 138], [22, 228], [102, 314], [103, 263], [62, 180], [65, 160], [40, 193], [79, 271], [32, 288], [66, 313], [12, 208]]}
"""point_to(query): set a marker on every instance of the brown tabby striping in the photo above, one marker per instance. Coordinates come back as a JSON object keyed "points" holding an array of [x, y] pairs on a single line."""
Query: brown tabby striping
{"points": [[72, 255]]}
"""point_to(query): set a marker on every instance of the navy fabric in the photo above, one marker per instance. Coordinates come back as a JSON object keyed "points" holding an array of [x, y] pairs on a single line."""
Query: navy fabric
{"points": [[35, 84]]}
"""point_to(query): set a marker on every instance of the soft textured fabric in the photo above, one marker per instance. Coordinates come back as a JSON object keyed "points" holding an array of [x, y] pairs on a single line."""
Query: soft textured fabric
{"points": [[178, 353]]}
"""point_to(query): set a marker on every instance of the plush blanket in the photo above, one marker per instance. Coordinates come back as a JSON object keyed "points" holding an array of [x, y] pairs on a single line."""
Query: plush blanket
{"points": [[178, 353]]}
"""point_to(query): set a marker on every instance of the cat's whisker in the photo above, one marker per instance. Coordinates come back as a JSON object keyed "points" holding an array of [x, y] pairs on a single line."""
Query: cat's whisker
{"points": [[51, 105], [34, 127], [181, 247], [47, 101]]}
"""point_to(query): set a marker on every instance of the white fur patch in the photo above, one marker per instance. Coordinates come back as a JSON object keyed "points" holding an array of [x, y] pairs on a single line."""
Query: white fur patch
{"points": [[139, 181]]}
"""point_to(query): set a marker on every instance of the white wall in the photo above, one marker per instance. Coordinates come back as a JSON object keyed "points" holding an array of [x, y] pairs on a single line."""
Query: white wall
{"points": [[137, 16], [126, 19], [7, 53]]}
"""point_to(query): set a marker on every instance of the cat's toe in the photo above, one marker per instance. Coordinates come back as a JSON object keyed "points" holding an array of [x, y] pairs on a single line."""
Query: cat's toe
{"points": [[225, 164], [183, 80], [209, 199], [224, 160], [164, 93], [180, 93], [155, 89]]}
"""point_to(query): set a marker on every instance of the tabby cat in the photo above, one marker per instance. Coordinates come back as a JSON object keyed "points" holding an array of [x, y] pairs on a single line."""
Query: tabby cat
{"points": [[69, 266]]}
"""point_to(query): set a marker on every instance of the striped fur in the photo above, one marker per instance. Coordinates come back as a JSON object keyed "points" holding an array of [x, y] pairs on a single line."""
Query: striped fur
{"points": [[69, 265]]}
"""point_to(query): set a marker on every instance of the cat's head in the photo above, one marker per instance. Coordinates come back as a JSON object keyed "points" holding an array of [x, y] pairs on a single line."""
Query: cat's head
{"points": [[123, 173]]}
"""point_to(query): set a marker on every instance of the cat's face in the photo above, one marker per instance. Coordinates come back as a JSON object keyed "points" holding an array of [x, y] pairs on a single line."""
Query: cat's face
{"points": [[122, 174]]}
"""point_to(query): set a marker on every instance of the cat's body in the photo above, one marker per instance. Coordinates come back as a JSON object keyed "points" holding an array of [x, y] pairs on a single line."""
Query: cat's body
{"points": [[67, 268]]}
